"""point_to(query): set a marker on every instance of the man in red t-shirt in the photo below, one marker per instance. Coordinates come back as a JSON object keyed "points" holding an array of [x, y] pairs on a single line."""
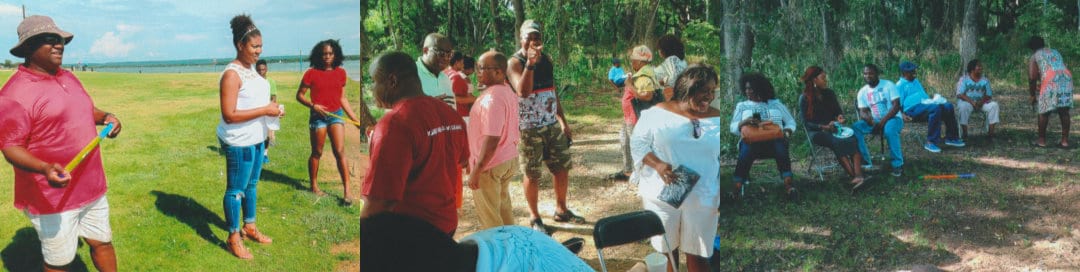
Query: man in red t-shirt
{"points": [[46, 117], [417, 149]]}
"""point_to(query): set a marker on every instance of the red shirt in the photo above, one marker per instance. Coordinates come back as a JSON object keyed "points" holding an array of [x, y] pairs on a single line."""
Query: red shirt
{"points": [[52, 117], [327, 87], [417, 149], [460, 85]]}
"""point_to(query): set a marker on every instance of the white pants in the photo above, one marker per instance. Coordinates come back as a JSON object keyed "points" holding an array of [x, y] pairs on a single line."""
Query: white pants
{"points": [[59, 232], [964, 109], [690, 228]]}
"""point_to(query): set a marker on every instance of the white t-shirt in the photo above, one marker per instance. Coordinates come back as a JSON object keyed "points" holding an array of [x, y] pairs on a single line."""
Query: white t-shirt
{"points": [[878, 99], [254, 92], [670, 137], [517, 248]]}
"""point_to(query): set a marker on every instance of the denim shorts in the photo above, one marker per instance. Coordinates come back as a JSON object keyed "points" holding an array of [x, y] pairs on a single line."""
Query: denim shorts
{"points": [[316, 122]]}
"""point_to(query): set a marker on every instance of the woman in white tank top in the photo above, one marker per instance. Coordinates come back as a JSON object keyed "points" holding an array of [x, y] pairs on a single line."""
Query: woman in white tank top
{"points": [[245, 105]]}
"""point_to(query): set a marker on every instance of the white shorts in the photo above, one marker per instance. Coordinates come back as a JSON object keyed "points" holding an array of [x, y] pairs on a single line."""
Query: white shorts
{"points": [[59, 232], [691, 228]]}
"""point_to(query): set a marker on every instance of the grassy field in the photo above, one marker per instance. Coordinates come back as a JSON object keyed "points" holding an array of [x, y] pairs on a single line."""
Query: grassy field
{"points": [[166, 181]]}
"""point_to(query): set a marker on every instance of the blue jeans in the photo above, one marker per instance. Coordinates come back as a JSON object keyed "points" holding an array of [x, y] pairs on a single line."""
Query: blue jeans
{"points": [[748, 153], [935, 114], [243, 166], [892, 135]]}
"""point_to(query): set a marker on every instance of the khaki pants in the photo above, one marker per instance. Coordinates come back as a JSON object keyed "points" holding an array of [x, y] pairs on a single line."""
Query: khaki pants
{"points": [[492, 200]]}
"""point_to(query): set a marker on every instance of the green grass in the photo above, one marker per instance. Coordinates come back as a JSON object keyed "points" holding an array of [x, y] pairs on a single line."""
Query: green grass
{"points": [[166, 182]]}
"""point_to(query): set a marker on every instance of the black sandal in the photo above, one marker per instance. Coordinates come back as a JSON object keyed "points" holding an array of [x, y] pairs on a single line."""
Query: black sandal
{"points": [[538, 225], [569, 216]]}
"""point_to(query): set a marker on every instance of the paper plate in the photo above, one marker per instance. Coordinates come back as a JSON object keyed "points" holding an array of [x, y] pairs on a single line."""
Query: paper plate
{"points": [[844, 132]]}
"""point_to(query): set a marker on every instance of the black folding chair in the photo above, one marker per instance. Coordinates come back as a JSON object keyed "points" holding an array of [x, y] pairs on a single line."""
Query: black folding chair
{"points": [[626, 228], [821, 158]]}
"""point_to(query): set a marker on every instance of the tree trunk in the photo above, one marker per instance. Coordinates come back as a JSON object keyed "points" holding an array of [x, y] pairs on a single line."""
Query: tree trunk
{"points": [[495, 24], [648, 31], [969, 33], [450, 19], [831, 55], [393, 23], [560, 23], [519, 18], [738, 42]]}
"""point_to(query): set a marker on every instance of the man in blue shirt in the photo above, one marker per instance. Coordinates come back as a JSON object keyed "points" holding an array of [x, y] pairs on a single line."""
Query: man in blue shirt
{"points": [[918, 106], [616, 74]]}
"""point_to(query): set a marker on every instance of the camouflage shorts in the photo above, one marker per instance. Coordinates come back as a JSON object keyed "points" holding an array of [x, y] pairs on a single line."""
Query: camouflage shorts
{"points": [[545, 144]]}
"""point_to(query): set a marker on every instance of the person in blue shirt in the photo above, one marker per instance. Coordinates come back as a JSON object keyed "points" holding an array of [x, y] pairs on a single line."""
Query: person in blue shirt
{"points": [[616, 74], [918, 106]]}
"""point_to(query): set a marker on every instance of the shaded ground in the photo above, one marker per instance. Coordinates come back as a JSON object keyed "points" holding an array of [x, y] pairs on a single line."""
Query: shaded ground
{"points": [[1019, 213]]}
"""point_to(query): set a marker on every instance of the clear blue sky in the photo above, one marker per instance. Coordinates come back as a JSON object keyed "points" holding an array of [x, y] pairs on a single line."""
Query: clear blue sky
{"points": [[144, 30]]}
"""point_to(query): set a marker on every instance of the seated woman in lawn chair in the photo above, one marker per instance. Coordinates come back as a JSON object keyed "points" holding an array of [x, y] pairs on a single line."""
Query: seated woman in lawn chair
{"points": [[823, 118], [762, 112]]}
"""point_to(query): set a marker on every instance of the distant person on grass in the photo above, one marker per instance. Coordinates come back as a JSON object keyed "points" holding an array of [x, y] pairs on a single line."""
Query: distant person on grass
{"points": [[682, 136], [245, 104], [493, 141], [417, 149], [642, 93], [1050, 86], [262, 68], [823, 117], [973, 93], [879, 103], [917, 105], [326, 81], [46, 118], [545, 134]]}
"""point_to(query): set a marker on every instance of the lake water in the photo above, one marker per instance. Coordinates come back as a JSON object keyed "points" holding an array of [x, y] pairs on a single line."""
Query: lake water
{"points": [[352, 67]]}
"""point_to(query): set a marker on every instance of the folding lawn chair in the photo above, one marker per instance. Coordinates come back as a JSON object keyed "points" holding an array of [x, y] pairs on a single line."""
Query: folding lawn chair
{"points": [[817, 153], [626, 228]]}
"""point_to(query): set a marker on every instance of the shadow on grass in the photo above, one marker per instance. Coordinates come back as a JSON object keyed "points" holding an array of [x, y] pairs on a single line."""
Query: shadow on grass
{"points": [[271, 176], [192, 213], [216, 149], [24, 253]]}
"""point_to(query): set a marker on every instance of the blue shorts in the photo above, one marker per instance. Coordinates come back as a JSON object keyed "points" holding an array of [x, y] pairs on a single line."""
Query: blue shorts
{"points": [[316, 122]]}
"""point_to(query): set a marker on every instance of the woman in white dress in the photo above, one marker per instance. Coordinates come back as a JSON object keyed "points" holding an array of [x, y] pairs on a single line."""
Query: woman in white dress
{"points": [[673, 136]]}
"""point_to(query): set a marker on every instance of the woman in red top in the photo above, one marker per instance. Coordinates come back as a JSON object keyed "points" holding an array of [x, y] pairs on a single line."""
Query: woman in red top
{"points": [[326, 80]]}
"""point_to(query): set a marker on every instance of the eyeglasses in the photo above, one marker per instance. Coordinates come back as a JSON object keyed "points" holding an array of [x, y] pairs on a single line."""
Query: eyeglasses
{"points": [[51, 40], [698, 130], [484, 68], [442, 53]]}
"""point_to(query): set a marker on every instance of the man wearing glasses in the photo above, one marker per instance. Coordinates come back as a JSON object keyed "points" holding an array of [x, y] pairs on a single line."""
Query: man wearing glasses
{"points": [[47, 118], [545, 135], [435, 57], [493, 144]]}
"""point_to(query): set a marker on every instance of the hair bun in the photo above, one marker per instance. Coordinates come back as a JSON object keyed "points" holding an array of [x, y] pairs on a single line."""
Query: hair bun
{"points": [[241, 23]]}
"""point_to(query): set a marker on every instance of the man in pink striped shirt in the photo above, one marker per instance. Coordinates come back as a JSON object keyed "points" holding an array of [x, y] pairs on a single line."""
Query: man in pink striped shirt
{"points": [[47, 118]]}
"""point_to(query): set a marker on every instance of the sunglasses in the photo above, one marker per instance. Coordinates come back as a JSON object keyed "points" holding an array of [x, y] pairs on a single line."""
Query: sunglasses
{"points": [[51, 40], [698, 130]]}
